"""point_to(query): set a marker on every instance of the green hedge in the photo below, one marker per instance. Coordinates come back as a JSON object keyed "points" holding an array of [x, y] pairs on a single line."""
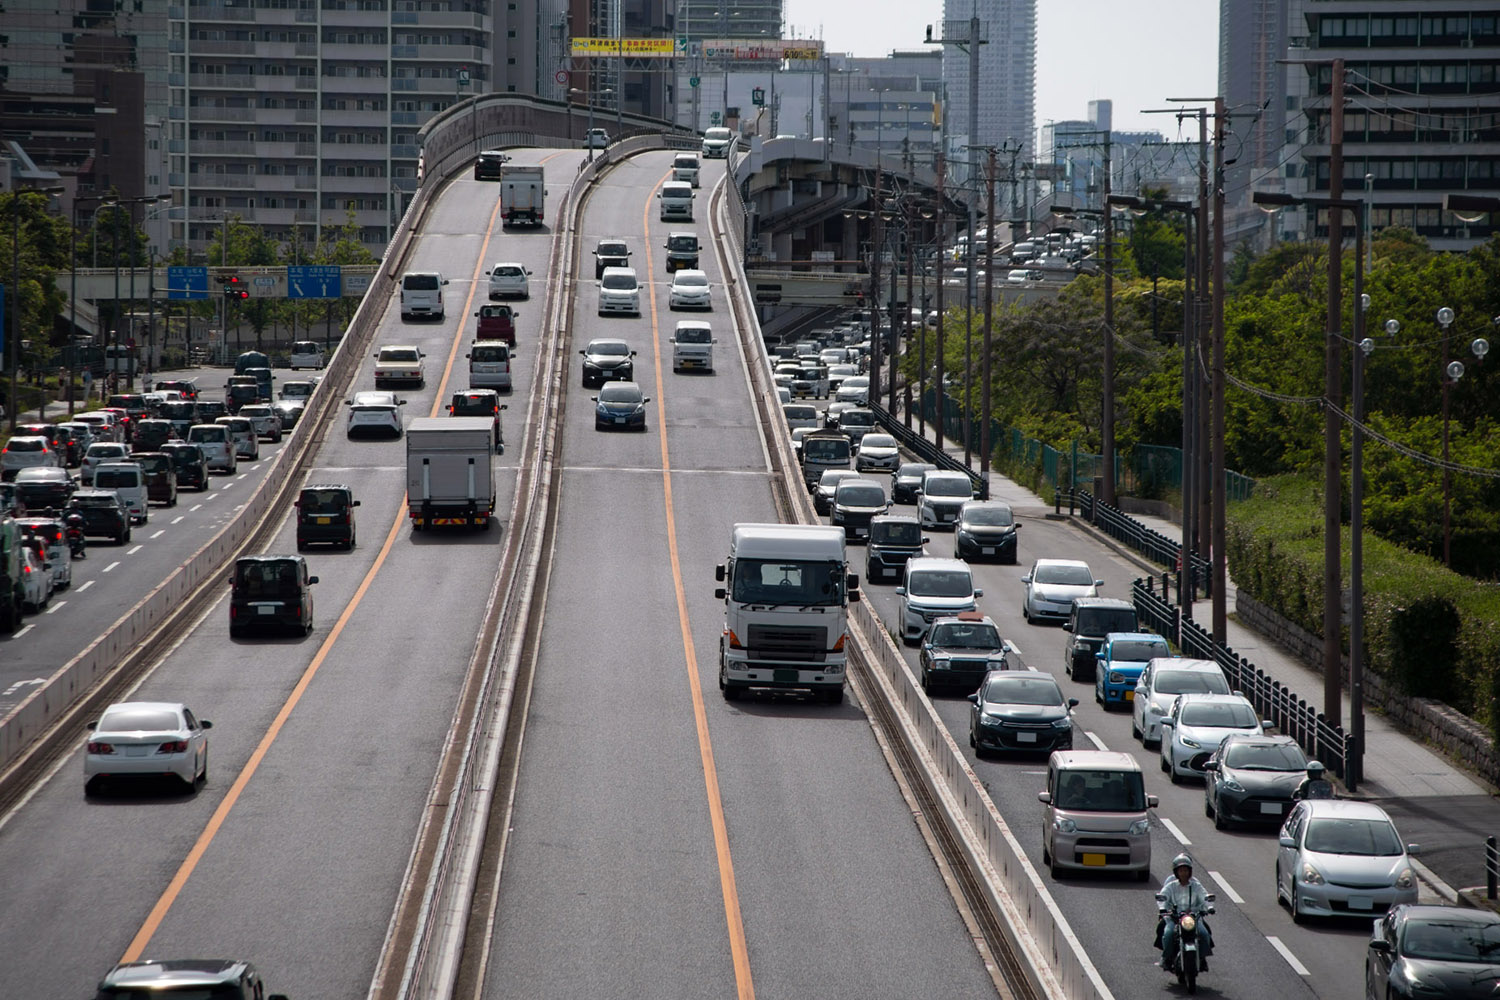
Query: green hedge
{"points": [[1429, 631]]}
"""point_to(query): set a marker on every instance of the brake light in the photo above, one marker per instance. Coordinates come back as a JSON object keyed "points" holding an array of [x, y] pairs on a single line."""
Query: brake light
{"points": [[173, 746], [102, 749]]}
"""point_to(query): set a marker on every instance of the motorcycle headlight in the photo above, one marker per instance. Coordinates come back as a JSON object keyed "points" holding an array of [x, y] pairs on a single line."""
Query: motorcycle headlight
{"points": [[1139, 827], [1064, 826], [1310, 875], [1406, 879], [1189, 924]]}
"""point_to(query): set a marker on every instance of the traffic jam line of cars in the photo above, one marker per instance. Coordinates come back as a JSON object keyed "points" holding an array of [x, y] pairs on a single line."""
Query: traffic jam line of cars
{"points": [[1335, 858]]}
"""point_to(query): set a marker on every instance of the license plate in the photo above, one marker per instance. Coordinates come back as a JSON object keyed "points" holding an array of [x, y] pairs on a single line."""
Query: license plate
{"points": [[987, 550], [1093, 860], [324, 520], [1026, 737], [619, 420], [859, 532], [1271, 808], [784, 676], [265, 610], [136, 751], [1361, 902], [1130, 696]]}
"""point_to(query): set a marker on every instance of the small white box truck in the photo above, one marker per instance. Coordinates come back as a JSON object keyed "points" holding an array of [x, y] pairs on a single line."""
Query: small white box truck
{"points": [[522, 192], [450, 479]]}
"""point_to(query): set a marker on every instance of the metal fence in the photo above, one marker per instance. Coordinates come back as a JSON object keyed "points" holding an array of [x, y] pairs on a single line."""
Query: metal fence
{"points": [[1196, 578], [1290, 714]]}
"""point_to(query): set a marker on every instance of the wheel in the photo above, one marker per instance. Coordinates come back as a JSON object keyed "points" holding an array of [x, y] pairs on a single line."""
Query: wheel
{"points": [[1165, 767], [926, 680], [126, 539], [1135, 730], [1192, 977], [731, 693], [834, 696], [1144, 875], [301, 545], [1026, 612]]}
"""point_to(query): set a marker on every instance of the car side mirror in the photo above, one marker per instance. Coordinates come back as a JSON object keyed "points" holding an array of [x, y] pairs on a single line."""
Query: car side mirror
{"points": [[1381, 945], [1026, 578], [1045, 798], [1413, 849], [1098, 583], [1286, 842], [978, 592], [504, 406], [584, 353], [355, 504], [1017, 526], [900, 591], [594, 399], [468, 356], [1168, 723], [719, 593], [1152, 802], [1072, 702], [974, 699], [634, 353], [645, 399], [312, 579]]}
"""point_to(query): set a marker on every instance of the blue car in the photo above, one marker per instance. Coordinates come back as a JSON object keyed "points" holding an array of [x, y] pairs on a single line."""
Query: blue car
{"points": [[1120, 662]]}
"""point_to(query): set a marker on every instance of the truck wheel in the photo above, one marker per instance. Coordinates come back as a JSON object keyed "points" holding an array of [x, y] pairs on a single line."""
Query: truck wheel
{"points": [[834, 696]]}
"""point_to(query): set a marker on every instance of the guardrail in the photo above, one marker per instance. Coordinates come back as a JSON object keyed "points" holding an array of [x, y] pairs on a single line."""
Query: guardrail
{"points": [[1491, 867], [926, 450], [1159, 548]]}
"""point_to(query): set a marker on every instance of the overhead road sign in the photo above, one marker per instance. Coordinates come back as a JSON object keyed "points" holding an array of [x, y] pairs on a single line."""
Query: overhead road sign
{"points": [[777, 50], [640, 48], [314, 281], [187, 283]]}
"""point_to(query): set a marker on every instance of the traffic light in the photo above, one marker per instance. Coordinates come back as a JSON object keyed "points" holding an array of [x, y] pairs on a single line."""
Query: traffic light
{"points": [[234, 288]]}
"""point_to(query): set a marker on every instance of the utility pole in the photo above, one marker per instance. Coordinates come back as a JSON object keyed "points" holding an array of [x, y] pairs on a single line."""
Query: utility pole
{"points": [[1220, 574], [1332, 399], [1107, 422], [940, 391], [874, 300], [989, 307]]}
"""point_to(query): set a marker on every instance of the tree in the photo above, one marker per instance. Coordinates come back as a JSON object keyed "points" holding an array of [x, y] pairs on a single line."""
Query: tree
{"points": [[43, 253]]}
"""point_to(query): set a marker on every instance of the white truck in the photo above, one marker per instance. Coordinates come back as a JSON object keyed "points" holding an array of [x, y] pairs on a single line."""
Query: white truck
{"points": [[450, 480], [785, 610], [522, 191]]}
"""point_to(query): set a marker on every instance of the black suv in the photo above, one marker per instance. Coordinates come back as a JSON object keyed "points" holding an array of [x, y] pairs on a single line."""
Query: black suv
{"points": [[487, 165], [222, 979], [210, 410], [104, 513], [610, 253], [325, 515], [894, 539], [270, 592], [480, 403], [1091, 619], [150, 433], [190, 462]]}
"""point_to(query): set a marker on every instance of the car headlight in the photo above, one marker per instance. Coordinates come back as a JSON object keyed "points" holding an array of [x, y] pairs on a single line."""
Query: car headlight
{"points": [[940, 662], [1155, 709], [1231, 784], [1064, 825], [993, 720], [999, 662], [1406, 879], [1140, 827], [1115, 677], [1191, 744], [1310, 875], [1063, 723]]}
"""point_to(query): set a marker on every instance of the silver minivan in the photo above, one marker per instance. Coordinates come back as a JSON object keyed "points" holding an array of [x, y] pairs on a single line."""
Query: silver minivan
{"points": [[489, 365], [128, 481], [217, 445], [1097, 815], [934, 588]]}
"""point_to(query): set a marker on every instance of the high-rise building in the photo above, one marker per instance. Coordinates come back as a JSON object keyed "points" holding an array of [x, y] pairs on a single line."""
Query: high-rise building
{"points": [[1252, 80], [1007, 73]]}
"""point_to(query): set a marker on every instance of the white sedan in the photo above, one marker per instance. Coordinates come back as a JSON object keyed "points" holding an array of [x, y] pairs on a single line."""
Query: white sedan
{"points": [[374, 411], [400, 363], [690, 290], [1052, 585], [1197, 725], [854, 389], [508, 280], [147, 739]]}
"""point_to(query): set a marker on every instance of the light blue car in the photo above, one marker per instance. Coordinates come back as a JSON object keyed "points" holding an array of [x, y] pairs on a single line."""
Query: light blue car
{"points": [[1121, 659]]}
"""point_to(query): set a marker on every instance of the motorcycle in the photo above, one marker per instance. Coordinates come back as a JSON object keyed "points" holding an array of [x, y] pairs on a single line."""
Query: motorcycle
{"points": [[77, 548], [1187, 961]]}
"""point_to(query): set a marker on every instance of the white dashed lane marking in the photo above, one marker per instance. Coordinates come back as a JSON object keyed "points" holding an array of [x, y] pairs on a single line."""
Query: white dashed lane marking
{"points": [[56, 607], [179, 517], [1172, 829], [111, 566], [159, 532], [1098, 743], [1291, 959], [1228, 889], [84, 587]]}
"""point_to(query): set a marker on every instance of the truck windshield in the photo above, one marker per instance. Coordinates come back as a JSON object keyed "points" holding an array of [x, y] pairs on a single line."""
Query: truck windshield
{"points": [[793, 583]]}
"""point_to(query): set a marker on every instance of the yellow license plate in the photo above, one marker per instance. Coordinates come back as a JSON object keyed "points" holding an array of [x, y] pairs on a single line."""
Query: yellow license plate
{"points": [[1130, 696], [1092, 860], [325, 520]]}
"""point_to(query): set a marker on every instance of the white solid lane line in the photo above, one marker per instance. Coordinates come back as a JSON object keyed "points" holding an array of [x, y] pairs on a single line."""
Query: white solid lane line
{"points": [[1228, 889], [111, 566], [134, 549], [1291, 959], [84, 587], [1172, 829], [1098, 743], [57, 606]]}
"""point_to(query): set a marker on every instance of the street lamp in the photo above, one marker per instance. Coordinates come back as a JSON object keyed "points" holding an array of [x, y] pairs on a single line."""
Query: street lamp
{"points": [[15, 297]]}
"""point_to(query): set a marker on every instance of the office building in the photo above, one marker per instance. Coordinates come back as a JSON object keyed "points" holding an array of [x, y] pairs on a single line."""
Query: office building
{"points": [[1007, 71]]}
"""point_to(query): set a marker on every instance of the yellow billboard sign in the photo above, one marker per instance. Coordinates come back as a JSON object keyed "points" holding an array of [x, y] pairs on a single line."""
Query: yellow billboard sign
{"points": [[637, 48]]}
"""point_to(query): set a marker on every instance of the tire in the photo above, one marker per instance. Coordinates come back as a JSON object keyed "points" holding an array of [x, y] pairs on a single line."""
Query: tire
{"points": [[731, 693], [1165, 767], [1135, 731], [834, 696], [126, 539], [1144, 875]]}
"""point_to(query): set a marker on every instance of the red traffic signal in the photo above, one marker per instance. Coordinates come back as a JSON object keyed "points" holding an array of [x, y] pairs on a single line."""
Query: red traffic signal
{"points": [[234, 288]]}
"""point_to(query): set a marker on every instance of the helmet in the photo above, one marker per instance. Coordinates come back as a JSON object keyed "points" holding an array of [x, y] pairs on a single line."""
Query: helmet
{"points": [[1315, 769], [1180, 860]]}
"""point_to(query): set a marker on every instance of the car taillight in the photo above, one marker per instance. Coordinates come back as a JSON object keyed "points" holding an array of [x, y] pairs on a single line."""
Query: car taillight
{"points": [[103, 749], [173, 746]]}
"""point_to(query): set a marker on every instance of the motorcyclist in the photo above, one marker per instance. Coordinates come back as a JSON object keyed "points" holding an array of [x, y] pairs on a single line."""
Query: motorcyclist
{"points": [[1314, 786], [1184, 894], [73, 522]]}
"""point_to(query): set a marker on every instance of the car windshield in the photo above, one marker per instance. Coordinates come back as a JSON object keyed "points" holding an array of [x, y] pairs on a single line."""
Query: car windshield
{"points": [[857, 418], [255, 411], [940, 583], [1022, 689], [870, 441], [800, 412], [1191, 682], [614, 349], [1101, 791], [113, 479], [305, 347], [896, 533], [1064, 574], [620, 282], [208, 434], [489, 353], [1137, 650], [178, 410], [399, 354], [1223, 715], [1102, 621], [619, 392], [693, 334], [989, 516], [26, 444], [856, 495], [508, 271], [690, 280], [296, 388], [826, 449], [266, 577], [911, 470], [138, 720], [1442, 939], [1265, 757], [796, 583], [97, 500], [105, 451], [683, 242], [948, 486], [966, 635], [1350, 835], [613, 250], [830, 480], [857, 382]]}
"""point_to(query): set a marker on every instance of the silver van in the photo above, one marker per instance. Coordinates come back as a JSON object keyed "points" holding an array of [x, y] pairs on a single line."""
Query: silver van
{"points": [[128, 481], [934, 588], [217, 445], [489, 365], [422, 294], [1097, 813], [676, 199]]}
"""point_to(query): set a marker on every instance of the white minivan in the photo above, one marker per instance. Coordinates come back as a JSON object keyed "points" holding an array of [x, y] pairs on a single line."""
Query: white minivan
{"points": [[716, 143], [676, 201], [305, 354], [934, 588], [693, 346], [422, 294], [128, 480], [489, 365], [685, 168]]}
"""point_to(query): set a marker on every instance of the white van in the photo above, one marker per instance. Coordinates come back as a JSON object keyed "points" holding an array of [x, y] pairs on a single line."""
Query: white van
{"points": [[693, 346], [934, 588], [128, 481], [217, 445], [676, 200], [685, 168], [716, 143], [306, 354], [489, 365], [422, 294]]}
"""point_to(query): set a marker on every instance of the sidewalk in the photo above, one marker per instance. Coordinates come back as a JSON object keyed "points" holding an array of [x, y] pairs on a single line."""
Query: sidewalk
{"points": [[1433, 802]]}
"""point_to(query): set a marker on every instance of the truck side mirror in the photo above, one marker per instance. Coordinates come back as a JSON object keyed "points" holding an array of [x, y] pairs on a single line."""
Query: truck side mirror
{"points": [[719, 593], [719, 572]]}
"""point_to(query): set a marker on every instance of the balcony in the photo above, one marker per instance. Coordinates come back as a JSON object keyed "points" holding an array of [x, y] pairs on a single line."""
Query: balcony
{"points": [[334, 117], [203, 47], [361, 85], [472, 54], [367, 186], [212, 114], [209, 147], [335, 152], [352, 52]]}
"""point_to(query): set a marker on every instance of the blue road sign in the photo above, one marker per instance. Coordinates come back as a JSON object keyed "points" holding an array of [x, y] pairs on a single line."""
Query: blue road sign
{"points": [[314, 281], [187, 282]]}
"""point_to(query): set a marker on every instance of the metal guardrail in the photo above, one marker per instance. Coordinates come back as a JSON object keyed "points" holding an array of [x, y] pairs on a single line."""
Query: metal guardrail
{"points": [[1159, 548], [1291, 715], [926, 450]]}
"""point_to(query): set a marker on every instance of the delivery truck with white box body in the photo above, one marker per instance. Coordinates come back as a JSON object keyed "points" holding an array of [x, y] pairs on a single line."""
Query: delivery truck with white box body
{"points": [[450, 479], [522, 192]]}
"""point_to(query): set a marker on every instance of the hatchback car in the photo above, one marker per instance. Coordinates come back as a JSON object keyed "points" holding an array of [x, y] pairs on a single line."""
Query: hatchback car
{"points": [[51, 537], [1160, 684], [305, 354], [986, 529], [107, 426], [1120, 662], [1439, 951], [854, 389], [606, 360], [481, 403], [188, 979], [37, 582], [1052, 584], [143, 739], [877, 453], [610, 253], [620, 406], [242, 436], [1342, 858], [488, 164], [1250, 779], [855, 502], [24, 452], [374, 413], [690, 290], [185, 387], [264, 419], [940, 496], [597, 138], [906, 483], [104, 514], [825, 488], [43, 489], [958, 652], [80, 436], [325, 515], [619, 292], [1097, 814], [1020, 710], [270, 592], [894, 540], [1197, 724], [289, 412], [160, 474], [509, 280]]}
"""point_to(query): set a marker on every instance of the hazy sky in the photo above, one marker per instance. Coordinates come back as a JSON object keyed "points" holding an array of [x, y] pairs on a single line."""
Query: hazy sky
{"points": [[1136, 53]]}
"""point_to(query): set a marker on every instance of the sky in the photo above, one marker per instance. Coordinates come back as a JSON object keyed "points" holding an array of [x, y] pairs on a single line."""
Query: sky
{"points": [[1136, 53]]}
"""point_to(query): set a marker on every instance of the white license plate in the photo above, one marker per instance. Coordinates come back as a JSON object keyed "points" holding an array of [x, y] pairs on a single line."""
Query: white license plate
{"points": [[265, 610], [136, 751], [861, 531], [1361, 902], [619, 420], [1271, 808], [987, 550], [1026, 737]]}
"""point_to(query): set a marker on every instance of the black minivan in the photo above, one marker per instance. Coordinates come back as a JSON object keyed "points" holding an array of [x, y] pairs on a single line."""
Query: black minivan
{"points": [[325, 515], [270, 592], [1091, 619]]}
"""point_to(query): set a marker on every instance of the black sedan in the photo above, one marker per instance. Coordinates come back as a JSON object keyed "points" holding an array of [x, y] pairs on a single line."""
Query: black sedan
{"points": [[1434, 951], [290, 411], [1020, 710], [959, 652], [104, 513], [1250, 779], [985, 529], [606, 360], [621, 406], [907, 479]]}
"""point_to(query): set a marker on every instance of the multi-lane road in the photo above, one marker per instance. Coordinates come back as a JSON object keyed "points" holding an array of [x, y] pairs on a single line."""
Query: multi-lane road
{"points": [[662, 841]]}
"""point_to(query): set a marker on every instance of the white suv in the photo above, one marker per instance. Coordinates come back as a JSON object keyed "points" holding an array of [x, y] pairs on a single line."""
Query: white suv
{"points": [[619, 292], [508, 280]]}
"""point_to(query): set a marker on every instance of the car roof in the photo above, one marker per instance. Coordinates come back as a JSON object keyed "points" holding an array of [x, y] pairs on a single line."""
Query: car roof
{"points": [[1102, 602], [1261, 739], [934, 562], [690, 272], [980, 504], [1445, 913], [1184, 663], [1215, 699], [1088, 760], [601, 341], [617, 271], [178, 972], [1348, 808], [1135, 636]]}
